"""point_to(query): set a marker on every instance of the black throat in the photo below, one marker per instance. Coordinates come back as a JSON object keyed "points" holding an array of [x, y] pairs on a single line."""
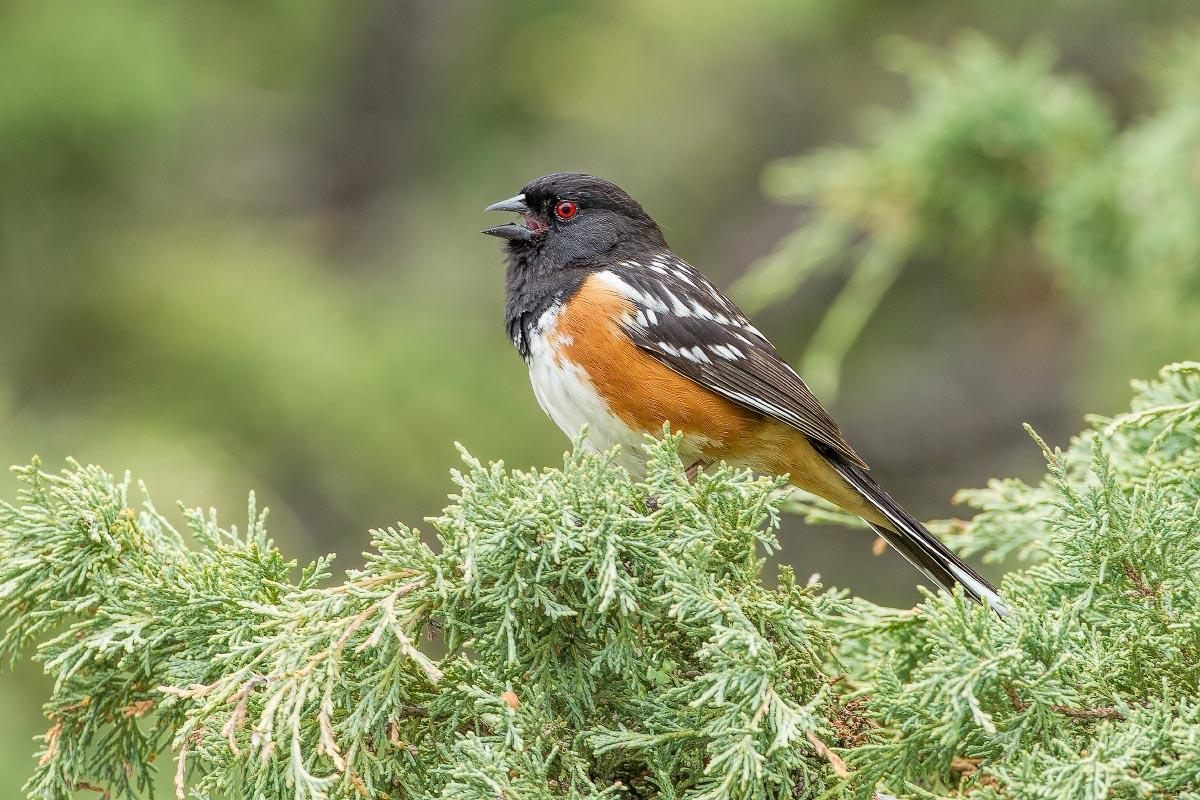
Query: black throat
{"points": [[532, 287]]}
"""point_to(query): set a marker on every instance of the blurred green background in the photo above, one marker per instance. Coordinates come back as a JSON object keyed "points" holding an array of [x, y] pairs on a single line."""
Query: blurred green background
{"points": [[239, 241]]}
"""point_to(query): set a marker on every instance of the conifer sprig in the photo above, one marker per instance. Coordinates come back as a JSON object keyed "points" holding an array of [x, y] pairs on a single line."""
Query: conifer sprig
{"points": [[578, 633], [1089, 689]]}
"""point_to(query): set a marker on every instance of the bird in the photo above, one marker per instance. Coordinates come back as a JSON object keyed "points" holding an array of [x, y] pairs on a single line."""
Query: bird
{"points": [[624, 337]]}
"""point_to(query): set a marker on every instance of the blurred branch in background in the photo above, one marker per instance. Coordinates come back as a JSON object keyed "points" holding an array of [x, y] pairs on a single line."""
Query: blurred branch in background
{"points": [[993, 150]]}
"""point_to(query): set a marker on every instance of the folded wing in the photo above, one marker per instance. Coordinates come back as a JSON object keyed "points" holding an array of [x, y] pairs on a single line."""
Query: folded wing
{"points": [[688, 325]]}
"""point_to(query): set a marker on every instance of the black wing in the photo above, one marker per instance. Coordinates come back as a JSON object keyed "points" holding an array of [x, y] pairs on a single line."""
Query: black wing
{"points": [[687, 324]]}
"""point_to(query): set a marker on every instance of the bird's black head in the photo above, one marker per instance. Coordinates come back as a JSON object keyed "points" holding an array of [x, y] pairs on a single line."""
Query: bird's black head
{"points": [[573, 219]]}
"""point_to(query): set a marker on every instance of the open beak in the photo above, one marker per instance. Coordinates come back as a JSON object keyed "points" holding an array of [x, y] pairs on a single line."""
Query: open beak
{"points": [[511, 230]]}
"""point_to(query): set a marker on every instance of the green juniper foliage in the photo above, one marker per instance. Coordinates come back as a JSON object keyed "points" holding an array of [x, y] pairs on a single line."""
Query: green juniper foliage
{"points": [[601, 633], [1091, 687], [607, 637]]}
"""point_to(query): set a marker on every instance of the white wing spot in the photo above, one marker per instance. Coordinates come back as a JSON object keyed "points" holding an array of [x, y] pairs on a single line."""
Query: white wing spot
{"points": [[704, 313], [677, 306], [654, 303], [615, 281], [753, 330], [762, 405], [683, 276]]}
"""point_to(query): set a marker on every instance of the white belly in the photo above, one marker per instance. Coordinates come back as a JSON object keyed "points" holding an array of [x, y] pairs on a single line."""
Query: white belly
{"points": [[568, 397]]}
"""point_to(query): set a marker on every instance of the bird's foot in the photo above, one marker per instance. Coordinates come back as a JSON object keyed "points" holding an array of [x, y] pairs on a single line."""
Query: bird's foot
{"points": [[691, 473]]}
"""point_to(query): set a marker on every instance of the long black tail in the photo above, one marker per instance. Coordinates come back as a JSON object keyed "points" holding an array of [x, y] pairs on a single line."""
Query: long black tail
{"points": [[911, 539]]}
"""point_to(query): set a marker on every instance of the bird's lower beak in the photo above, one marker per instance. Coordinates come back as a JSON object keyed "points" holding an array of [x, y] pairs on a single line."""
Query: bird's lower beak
{"points": [[511, 230]]}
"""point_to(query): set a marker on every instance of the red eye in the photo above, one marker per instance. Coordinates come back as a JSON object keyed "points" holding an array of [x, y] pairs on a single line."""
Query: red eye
{"points": [[565, 209]]}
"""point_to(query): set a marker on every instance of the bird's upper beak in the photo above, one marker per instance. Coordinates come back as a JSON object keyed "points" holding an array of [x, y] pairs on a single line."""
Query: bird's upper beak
{"points": [[511, 230], [513, 204]]}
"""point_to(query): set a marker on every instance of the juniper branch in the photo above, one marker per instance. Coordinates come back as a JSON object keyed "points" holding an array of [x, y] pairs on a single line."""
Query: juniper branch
{"points": [[605, 636]]}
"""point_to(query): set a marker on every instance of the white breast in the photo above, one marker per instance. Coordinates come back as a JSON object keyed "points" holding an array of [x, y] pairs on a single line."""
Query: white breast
{"points": [[567, 395]]}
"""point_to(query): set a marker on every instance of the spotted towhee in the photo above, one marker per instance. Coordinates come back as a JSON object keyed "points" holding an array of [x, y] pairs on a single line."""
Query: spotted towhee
{"points": [[623, 335]]}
